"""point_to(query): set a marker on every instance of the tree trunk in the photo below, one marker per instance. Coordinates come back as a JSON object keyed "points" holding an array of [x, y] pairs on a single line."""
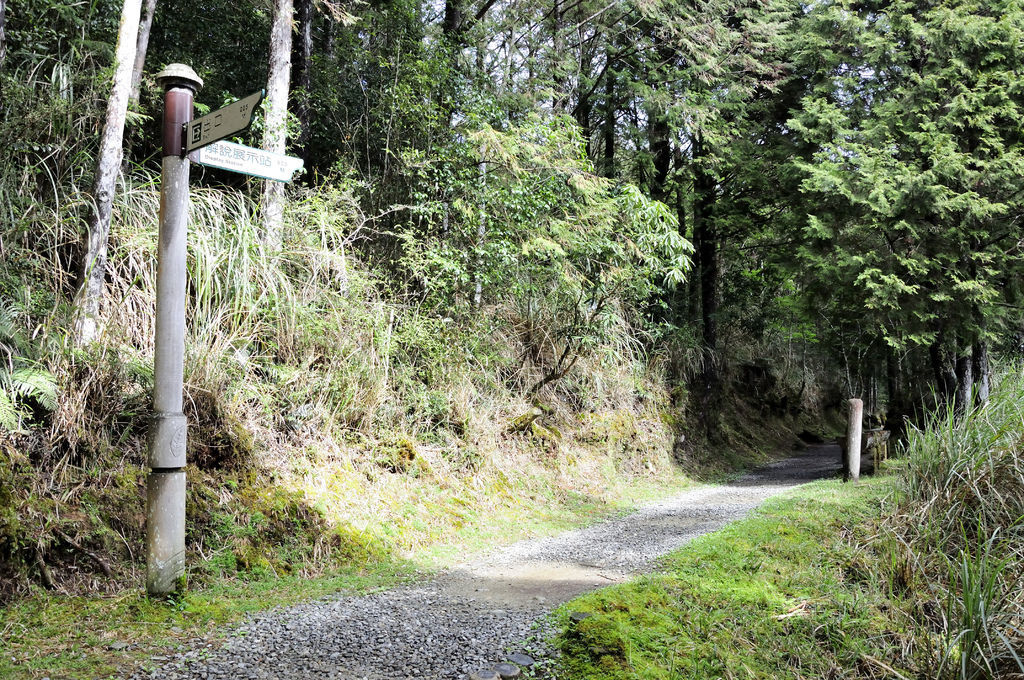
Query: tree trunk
{"points": [[303, 70], [560, 96], [979, 351], [481, 233], [659, 135], [893, 389], [3, 36], [661, 153], [453, 24], [980, 371], [108, 164], [584, 105], [942, 371], [583, 112], [707, 247], [329, 41], [275, 135], [964, 383], [141, 47], [453, 31], [709, 270], [610, 111]]}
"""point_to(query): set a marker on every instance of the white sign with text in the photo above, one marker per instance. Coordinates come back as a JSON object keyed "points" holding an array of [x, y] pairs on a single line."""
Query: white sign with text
{"points": [[248, 161]]}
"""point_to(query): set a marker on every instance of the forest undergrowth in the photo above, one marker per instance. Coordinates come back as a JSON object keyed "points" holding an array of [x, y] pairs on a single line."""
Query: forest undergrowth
{"points": [[339, 431], [330, 418]]}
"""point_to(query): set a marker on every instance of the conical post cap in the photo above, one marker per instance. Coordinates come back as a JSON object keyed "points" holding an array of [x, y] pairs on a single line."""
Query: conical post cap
{"points": [[179, 75]]}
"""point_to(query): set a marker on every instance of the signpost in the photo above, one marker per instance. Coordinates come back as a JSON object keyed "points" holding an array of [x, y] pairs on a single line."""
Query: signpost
{"points": [[221, 123], [248, 161], [165, 484], [168, 433]]}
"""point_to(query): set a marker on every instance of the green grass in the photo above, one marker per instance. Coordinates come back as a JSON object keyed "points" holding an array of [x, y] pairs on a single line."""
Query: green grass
{"points": [[785, 593]]}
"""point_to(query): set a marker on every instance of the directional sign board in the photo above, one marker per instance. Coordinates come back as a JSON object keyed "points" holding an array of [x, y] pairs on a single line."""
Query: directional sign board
{"points": [[223, 122], [247, 160]]}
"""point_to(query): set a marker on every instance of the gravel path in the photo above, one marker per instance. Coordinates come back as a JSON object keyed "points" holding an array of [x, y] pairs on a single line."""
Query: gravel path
{"points": [[473, 615]]}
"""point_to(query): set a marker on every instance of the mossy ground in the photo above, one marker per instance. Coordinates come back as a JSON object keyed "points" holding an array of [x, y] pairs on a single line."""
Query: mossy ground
{"points": [[782, 594]]}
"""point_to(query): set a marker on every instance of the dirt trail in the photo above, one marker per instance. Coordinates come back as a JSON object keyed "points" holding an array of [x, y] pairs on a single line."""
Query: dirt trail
{"points": [[475, 613], [560, 568]]}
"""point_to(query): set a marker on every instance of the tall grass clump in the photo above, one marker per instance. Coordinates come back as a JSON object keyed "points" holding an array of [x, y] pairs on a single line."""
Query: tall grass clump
{"points": [[963, 521]]}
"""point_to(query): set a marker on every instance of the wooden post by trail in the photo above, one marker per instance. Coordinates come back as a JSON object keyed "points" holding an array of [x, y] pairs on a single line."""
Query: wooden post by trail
{"points": [[851, 471], [165, 485]]}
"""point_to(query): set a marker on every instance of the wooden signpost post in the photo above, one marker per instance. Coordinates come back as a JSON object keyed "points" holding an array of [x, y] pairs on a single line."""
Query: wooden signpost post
{"points": [[165, 484]]}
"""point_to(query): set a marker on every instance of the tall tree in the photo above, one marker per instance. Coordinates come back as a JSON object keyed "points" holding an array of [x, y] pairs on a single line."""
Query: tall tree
{"points": [[275, 135], [303, 69], [108, 165], [919, 173], [705, 77], [141, 48]]}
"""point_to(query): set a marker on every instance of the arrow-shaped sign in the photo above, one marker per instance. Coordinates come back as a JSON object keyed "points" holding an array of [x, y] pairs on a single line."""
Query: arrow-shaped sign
{"points": [[233, 118], [248, 161]]}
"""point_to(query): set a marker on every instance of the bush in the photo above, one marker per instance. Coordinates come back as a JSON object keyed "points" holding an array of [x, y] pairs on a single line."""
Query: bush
{"points": [[963, 520]]}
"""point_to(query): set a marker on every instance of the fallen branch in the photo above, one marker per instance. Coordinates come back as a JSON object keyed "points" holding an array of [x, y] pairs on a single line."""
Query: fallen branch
{"points": [[44, 571], [522, 423], [104, 567], [884, 666]]}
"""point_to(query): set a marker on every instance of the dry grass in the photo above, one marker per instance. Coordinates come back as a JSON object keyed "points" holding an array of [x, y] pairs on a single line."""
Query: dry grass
{"points": [[306, 379]]}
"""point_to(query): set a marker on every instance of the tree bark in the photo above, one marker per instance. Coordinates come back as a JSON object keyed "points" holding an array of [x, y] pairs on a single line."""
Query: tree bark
{"points": [[584, 104], [980, 371], [560, 96], [108, 165], [303, 70], [942, 371], [893, 389], [454, 23], [661, 153], [141, 47], [964, 383], [275, 135], [583, 111], [3, 35], [707, 249], [481, 234], [453, 28], [659, 135], [610, 111]]}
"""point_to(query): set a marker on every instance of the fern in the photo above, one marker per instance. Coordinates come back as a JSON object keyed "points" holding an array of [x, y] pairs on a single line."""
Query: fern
{"points": [[10, 415], [36, 383], [9, 332], [18, 387]]}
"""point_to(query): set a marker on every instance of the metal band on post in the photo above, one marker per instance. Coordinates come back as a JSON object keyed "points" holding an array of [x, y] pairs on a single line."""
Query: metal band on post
{"points": [[165, 484], [168, 434]]}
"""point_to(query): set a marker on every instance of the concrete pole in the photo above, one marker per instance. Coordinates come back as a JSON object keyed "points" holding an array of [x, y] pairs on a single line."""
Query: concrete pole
{"points": [[853, 433], [165, 485]]}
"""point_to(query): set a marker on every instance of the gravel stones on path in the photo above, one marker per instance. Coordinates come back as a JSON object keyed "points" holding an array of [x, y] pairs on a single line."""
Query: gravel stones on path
{"points": [[473, 616]]}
